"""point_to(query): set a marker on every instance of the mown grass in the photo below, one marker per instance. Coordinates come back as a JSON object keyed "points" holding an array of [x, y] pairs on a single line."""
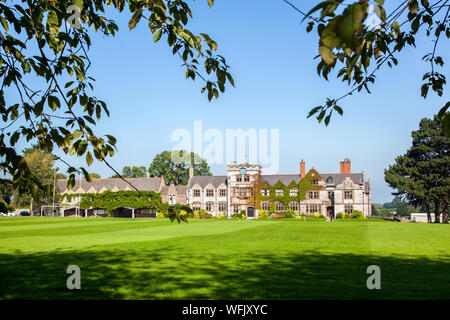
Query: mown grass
{"points": [[225, 259]]}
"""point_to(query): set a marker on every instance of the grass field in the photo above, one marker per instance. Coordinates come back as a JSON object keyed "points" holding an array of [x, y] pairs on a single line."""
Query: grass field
{"points": [[224, 259]]}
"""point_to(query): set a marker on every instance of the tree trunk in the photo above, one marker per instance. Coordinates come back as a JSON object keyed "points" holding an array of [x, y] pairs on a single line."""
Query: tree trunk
{"points": [[427, 206], [436, 211], [445, 212]]}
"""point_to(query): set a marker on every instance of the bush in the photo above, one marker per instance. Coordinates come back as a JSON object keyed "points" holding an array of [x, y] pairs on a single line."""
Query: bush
{"points": [[238, 215], [196, 215], [159, 215], [340, 215], [202, 212], [357, 214], [263, 214], [206, 216], [289, 213], [278, 216], [221, 216], [319, 216]]}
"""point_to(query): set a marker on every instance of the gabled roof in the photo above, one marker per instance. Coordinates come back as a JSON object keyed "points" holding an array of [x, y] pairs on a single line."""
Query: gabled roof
{"points": [[285, 179], [142, 184], [203, 181], [357, 178]]}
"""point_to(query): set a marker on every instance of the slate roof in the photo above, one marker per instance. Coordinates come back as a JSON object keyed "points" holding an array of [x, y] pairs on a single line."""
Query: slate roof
{"points": [[203, 181], [181, 190], [142, 184], [357, 178], [286, 179]]}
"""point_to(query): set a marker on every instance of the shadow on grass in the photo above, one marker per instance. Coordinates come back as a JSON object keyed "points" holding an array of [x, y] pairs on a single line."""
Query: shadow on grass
{"points": [[175, 273]]}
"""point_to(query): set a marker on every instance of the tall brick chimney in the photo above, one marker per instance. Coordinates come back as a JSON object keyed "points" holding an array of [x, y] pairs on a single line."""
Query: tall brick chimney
{"points": [[346, 166], [302, 169], [191, 172]]}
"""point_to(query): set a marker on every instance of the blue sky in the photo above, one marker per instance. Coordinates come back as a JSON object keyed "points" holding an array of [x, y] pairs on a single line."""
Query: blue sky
{"points": [[271, 56]]}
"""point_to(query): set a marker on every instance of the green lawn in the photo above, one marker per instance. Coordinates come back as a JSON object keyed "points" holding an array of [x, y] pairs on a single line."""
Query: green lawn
{"points": [[225, 259]]}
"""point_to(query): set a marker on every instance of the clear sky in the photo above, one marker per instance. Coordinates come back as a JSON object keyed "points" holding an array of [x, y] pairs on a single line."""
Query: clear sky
{"points": [[272, 60]]}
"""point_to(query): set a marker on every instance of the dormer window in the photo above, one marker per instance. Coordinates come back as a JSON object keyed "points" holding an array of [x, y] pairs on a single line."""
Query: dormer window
{"points": [[330, 180], [315, 181], [279, 192]]}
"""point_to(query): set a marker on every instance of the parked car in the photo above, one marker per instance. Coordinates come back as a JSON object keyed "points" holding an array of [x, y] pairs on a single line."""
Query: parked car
{"points": [[25, 214], [12, 214], [3, 214]]}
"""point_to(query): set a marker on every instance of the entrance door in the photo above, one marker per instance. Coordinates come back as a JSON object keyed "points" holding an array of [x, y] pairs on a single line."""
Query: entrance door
{"points": [[250, 212], [330, 212]]}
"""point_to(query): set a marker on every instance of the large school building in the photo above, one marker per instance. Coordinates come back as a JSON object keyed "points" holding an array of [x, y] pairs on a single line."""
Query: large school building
{"points": [[244, 189]]}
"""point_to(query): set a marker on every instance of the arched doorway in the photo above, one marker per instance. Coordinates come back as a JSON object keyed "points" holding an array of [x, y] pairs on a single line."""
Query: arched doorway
{"points": [[250, 212]]}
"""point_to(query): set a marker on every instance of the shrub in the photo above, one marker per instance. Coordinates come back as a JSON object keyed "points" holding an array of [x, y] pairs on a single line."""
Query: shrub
{"points": [[196, 215], [220, 216], [340, 215], [289, 213], [238, 216], [278, 216], [319, 216], [206, 216], [357, 214], [202, 212], [159, 215], [263, 214]]}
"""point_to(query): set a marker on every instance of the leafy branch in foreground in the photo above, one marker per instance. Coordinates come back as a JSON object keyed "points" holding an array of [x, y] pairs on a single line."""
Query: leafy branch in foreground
{"points": [[358, 49], [46, 92]]}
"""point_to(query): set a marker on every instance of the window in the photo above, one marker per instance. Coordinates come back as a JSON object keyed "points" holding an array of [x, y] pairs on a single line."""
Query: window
{"points": [[246, 178], [222, 206], [196, 206], [265, 206], [348, 194], [313, 195], [196, 193], [100, 211], [330, 195], [293, 205], [293, 192], [146, 211], [348, 208], [222, 193], [239, 178], [265, 192], [236, 209], [69, 198], [209, 206], [279, 206], [315, 181], [313, 208], [279, 192], [210, 193]]}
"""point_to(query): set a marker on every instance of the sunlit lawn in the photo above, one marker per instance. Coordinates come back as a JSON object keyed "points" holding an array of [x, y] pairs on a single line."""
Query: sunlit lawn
{"points": [[225, 259]]}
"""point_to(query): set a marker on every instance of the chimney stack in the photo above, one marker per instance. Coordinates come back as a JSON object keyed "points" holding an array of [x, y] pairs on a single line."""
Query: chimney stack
{"points": [[346, 166], [191, 172], [302, 169]]}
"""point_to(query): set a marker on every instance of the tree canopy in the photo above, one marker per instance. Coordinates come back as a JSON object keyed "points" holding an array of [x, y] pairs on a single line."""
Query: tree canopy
{"points": [[45, 70], [422, 174], [358, 39], [132, 172], [177, 172]]}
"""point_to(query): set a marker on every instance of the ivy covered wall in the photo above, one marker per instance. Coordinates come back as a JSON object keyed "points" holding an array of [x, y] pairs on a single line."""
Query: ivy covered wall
{"points": [[304, 185], [110, 200]]}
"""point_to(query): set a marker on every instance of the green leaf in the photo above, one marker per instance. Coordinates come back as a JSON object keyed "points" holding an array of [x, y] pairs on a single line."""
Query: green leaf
{"points": [[53, 22], [339, 110], [157, 35], [327, 55], [4, 24], [89, 158], [53, 102]]}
